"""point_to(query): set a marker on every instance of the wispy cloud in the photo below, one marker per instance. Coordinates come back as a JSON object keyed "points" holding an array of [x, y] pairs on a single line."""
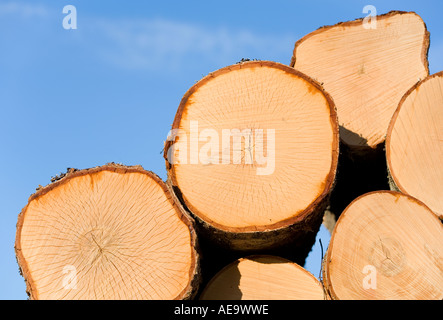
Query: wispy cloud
{"points": [[23, 9], [153, 43]]}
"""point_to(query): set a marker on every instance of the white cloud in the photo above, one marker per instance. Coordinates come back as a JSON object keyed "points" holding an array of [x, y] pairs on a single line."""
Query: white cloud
{"points": [[153, 43], [23, 9]]}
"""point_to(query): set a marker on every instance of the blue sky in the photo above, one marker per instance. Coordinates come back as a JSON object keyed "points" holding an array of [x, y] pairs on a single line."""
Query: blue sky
{"points": [[108, 91]]}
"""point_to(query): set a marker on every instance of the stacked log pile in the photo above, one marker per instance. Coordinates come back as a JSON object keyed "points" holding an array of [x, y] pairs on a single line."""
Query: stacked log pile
{"points": [[260, 154]]}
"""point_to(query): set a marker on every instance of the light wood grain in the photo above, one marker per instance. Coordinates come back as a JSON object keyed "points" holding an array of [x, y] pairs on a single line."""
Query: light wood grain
{"points": [[263, 278], [114, 231], [396, 236], [414, 144], [366, 71], [267, 96]]}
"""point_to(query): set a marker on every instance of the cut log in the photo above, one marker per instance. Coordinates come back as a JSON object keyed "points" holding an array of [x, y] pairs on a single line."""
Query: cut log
{"points": [[366, 70], [263, 277], [414, 144], [385, 245], [111, 232], [253, 153]]}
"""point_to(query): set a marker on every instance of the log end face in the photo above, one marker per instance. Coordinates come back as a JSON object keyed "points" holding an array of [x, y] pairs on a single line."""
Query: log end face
{"points": [[358, 83], [377, 252], [104, 223]]}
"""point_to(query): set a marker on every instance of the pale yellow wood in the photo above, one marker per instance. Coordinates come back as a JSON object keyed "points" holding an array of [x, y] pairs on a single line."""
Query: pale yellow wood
{"points": [[263, 278], [264, 96], [105, 233], [366, 70], [414, 144], [385, 245]]}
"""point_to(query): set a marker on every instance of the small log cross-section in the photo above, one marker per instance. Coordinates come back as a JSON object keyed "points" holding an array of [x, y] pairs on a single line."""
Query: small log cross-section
{"points": [[257, 147], [414, 144], [366, 66], [263, 277], [110, 232], [385, 245]]}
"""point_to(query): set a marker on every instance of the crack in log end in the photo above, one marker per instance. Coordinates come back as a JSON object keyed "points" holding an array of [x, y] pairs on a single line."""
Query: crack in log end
{"points": [[94, 245], [388, 256]]}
